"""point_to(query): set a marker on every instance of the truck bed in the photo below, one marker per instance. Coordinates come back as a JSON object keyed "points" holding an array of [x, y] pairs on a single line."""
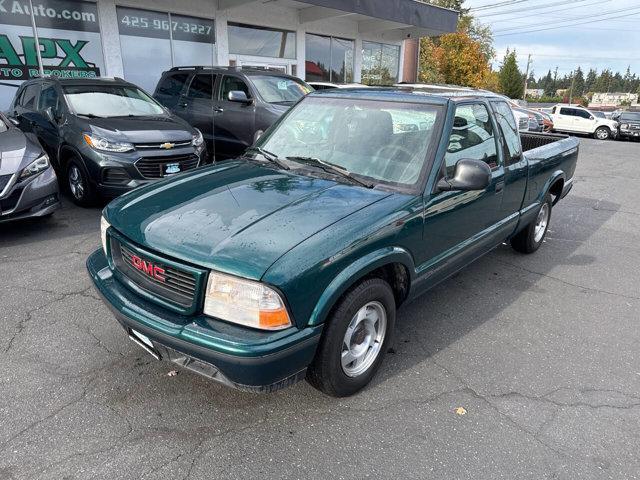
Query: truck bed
{"points": [[531, 140]]}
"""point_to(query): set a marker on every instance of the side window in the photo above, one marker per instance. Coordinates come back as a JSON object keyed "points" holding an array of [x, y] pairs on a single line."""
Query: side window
{"points": [[472, 137], [48, 98], [509, 128], [29, 97], [568, 111], [172, 84], [202, 86], [229, 84], [583, 113]]}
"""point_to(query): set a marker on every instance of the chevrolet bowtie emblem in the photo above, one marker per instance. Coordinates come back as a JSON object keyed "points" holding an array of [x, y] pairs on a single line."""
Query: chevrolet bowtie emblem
{"points": [[167, 145]]}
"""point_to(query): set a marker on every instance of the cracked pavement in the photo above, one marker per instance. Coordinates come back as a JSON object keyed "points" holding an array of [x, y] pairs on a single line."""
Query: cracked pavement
{"points": [[541, 351]]}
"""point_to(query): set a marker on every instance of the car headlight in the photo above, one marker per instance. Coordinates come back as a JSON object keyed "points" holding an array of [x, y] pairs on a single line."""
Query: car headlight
{"points": [[624, 125], [197, 139], [40, 164], [100, 143], [245, 302], [104, 225]]}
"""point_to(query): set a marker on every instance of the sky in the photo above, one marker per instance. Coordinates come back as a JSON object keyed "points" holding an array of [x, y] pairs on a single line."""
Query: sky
{"points": [[564, 39]]}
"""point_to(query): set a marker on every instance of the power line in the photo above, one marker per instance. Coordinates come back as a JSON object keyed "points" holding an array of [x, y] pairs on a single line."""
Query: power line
{"points": [[590, 16], [526, 9], [497, 5], [562, 26], [544, 14]]}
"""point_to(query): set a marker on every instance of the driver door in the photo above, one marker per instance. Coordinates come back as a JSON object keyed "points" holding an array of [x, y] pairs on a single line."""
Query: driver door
{"points": [[459, 226]]}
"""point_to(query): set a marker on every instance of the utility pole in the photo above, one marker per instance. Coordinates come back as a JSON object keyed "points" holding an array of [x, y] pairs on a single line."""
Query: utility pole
{"points": [[526, 78], [573, 77]]}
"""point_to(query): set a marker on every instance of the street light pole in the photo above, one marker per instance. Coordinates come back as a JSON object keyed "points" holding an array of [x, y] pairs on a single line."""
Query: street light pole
{"points": [[526, 78]]}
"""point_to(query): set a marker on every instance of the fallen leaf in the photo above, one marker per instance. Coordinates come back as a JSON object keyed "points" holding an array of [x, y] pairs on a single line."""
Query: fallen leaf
{"points": [[461, 411], [172, 373]]}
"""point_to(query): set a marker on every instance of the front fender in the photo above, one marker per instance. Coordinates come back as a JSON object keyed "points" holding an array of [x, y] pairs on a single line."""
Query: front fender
{"points": [[355, 271]]}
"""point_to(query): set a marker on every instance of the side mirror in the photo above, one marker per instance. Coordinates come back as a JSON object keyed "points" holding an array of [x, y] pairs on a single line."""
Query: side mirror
{"points": [[51, 116], [591, 117], [468, 175], [238, 96], [15, 121]]}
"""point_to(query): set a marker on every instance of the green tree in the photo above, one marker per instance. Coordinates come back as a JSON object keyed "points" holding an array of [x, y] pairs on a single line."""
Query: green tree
{"points": [[578, 83], [548, 85], [511, 81], [590, 81]]}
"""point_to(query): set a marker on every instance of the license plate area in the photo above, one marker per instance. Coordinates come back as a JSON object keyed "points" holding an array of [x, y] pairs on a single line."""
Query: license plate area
{"points": [[170, 169], [145, 342]]}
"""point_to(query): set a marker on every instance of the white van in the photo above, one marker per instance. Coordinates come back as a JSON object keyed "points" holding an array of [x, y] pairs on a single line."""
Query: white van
{"points": [[577, 119]]}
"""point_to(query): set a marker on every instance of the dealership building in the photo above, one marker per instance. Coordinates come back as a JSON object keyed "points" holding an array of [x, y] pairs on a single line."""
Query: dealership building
{"points": [[340, 41]]}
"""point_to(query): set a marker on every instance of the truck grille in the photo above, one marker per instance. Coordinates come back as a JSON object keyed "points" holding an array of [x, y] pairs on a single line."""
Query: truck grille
{"points": [[163, 281], [155, 167]]}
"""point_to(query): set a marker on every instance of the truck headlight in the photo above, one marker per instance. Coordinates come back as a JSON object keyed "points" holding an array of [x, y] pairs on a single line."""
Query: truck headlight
{"points": [[624, 125], [104, 225], [245, 302], [100, 143], [40, 164]]}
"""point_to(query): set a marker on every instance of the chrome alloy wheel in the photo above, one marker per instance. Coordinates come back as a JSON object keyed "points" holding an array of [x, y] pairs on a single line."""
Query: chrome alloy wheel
{"points": [[602, 134], [541, 223], [363, 339], [76, 182]]}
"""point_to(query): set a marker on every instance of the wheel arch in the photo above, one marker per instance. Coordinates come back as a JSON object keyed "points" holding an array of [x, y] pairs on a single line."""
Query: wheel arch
{"points": [[393, 264]]}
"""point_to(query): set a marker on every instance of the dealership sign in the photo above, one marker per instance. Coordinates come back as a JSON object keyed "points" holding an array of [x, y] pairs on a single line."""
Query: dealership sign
{"points": [[68, 40]]}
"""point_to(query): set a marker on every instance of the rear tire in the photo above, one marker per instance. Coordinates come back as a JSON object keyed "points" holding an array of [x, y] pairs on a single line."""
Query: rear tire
{"points": [[602, 133], [83, 193], [355, 340], [530, 239]]}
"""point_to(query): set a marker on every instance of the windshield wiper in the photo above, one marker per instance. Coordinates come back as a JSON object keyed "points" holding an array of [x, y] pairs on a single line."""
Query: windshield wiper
{"points": [[331, 168], [90, 115], [272, 157]]}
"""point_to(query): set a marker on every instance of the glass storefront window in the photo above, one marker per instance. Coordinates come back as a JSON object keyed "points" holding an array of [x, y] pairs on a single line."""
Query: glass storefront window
{"points": [[261, 41], [150, 48], [380, 63], [329, 59]]}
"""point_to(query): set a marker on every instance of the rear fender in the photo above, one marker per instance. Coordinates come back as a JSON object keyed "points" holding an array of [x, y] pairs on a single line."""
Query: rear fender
{"points": [[356, 271]]}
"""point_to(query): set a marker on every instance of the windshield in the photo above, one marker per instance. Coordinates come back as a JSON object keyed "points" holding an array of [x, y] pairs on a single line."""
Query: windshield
{"points": [[630, 117], [110, 101], [274, 89], [386, 142]]}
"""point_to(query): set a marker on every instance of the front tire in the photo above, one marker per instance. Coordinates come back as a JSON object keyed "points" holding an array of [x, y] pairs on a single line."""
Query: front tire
{"points": [[602, 133], [355, 340], [82, 191], [530, 239]]}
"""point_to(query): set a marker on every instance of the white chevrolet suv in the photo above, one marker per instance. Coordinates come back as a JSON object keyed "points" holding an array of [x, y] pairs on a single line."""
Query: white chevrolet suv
{"points": [[577, 119]]}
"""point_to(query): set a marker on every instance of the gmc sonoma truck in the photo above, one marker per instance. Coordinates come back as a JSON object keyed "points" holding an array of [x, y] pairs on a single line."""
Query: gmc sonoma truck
{"points": [[290, 261]]}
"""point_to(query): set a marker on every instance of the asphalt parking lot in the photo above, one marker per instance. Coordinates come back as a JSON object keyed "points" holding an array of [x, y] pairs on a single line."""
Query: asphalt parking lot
{"points": [[541, 351]]}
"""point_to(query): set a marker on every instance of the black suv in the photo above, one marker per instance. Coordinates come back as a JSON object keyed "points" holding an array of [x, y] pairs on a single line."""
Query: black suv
{"points": [[105, 136], [628, 124], [234, 105]]}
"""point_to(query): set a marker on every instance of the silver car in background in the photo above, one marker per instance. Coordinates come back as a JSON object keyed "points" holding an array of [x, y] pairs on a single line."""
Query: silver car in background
{"points": [[28, 183]]}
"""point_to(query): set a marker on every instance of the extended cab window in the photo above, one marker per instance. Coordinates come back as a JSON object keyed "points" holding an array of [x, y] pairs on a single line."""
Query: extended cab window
{"points": [[202, 86], [568, 111], [507, 123], [472, 137], [230, 84]]}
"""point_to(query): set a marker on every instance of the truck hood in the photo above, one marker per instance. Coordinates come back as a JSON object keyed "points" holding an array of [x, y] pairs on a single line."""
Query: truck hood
{"points": [[141, 129], [238, 217]]}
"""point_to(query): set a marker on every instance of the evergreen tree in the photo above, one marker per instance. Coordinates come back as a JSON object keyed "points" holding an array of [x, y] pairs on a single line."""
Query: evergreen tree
{"points": [[578, 83], [547, 84], [511, 81], [590, 81]]}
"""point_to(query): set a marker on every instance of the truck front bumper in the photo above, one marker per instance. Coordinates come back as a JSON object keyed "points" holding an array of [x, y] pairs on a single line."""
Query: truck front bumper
{"points": [[236, 356]]}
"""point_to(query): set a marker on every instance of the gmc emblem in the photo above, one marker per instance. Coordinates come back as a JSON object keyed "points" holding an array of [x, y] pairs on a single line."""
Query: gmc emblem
{"points": [[148, 268]]}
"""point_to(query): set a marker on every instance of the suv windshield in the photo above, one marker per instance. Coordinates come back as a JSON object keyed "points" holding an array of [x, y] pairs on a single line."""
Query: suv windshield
{"points": [[110, 101], [274, 89], [385, 142], [630, 117]]}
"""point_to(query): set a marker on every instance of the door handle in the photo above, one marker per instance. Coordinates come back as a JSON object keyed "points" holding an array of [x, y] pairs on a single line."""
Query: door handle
{"points": [[499, 187], [218, 109]]}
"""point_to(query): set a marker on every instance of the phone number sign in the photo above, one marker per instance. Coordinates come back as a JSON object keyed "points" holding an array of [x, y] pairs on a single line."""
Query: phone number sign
{"points": [[146, 23]]}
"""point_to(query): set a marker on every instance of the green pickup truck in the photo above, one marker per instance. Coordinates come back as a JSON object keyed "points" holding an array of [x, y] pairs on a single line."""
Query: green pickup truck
{"points": [[290, 261]]}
